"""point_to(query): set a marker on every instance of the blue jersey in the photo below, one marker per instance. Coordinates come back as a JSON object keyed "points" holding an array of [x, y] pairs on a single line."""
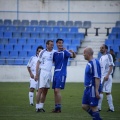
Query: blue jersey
{"points": [[60, 60], [92, 71]]}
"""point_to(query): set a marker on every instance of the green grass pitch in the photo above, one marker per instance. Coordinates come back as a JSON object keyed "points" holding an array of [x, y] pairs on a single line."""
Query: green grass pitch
{"points": [[14, 103]]}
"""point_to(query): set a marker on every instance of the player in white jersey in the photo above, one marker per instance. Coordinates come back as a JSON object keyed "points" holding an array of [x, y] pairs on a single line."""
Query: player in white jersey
{"points": [[31, 66], [44, 76], [106, 63]]}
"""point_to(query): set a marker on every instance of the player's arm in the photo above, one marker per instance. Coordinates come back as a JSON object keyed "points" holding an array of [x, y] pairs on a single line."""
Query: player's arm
{"points": [[109, 72], [37, 70], [73, 55], [97, 84], [30, 72]]}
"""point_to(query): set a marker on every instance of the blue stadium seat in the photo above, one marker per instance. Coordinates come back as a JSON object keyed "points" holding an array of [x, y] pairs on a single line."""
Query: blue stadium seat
{"points": [[64, 29], [74, 29], [31, 53], [16, 34], [52, 36], [117, 41], [2, 28], [10, 28], [40, 41], [2, 61], [4, 41], [16, 22], [47, 29], [18, 61], [8, 47], [7, 34], [13, 41], [51, 23], [25, 22], [13, 54], [62, 35], [2, 47], [60, 23], [25, 35], [76, 42], [9, 61], [22, 41], [73, 47], [115, 30], [78, 24], [25, 61], [67, 41], [18, 47], [118, 36], [34, 47], [56, 29], [79, 36], [117, 24], [7, 22], [4, 54], [20, 29], [109, 42], [34, 22], [22, 54], [30, 29], [70, 35], [31, 41], [1, 22], [69, 23], [1, 34], [43, 35], [112, 36], [26, 47], [39, 29], [86, 26], [35, 35], [43, 23]]}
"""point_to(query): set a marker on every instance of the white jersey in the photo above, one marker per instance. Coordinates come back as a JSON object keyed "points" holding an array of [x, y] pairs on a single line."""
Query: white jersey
{"points": [[32, 64], [106, 61], [46, 60]]}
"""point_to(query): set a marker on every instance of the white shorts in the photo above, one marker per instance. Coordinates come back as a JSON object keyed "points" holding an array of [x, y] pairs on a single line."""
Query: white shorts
{"points": [[107, 85], [44, 79], [33, 84]]}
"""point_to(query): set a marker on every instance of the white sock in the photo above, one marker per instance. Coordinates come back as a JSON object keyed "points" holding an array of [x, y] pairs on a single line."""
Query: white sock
{"points": [[37, 106], [41, 105], [110, 102], [100, 101], [31, 95]]}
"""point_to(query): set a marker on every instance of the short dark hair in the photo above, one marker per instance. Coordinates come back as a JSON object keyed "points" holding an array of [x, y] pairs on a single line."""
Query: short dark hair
{"points": [[39, 47], [106, 47], [48, 41], [59, 40], [111, 50]]}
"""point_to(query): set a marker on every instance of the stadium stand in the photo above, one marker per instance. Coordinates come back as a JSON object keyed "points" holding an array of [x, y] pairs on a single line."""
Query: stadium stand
{"points": [[19, 39]]}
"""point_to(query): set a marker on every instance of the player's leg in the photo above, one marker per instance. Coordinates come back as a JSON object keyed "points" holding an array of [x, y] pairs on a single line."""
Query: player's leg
{"points": [[100, 101], [108, 94], [31, 91]]}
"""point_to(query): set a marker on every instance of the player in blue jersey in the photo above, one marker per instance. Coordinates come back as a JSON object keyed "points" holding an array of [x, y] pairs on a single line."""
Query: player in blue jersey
{"points": [[92, 85], [60, 59]]}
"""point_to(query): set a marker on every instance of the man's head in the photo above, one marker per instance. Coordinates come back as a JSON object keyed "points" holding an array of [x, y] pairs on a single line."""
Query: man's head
{"points": [[59, 43], [49, 45], [103, 49], [39, 48], [88, 53], [111, 51]]}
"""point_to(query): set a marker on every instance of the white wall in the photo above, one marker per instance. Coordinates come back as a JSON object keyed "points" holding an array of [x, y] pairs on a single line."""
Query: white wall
{"points": [[101, 13], [20, 74]]}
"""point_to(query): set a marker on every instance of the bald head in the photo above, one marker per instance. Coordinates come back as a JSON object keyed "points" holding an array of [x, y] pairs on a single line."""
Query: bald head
{"points": [[88, 53]]}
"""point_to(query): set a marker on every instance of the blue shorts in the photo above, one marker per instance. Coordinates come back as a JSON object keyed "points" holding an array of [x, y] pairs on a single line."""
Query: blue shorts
{"points": [[89, 97], [59, 82]]}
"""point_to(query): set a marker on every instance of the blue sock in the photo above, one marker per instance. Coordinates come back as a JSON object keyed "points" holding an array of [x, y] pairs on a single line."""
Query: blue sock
{"points": [[57, 106], [96, 116], [90, 112]]}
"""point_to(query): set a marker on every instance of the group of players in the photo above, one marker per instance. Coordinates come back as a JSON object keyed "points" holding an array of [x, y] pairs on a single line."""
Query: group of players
{"points": [[39, 68], [97, 80]]}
